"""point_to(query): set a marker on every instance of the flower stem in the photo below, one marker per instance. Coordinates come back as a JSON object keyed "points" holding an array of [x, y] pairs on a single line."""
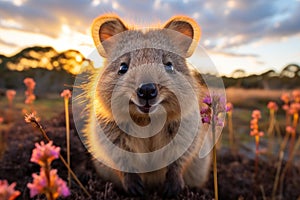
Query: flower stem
{"points": [[256, 153], [49, 194], [281, 155], [287, 166], [230, 128], [68, 137], [215, 172]]}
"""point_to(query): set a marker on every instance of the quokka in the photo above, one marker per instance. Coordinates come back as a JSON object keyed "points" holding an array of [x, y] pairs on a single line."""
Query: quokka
{"points": [[145, 80]]}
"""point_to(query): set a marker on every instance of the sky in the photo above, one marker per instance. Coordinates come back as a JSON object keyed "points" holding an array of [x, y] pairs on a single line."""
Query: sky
{"points": [[252, 35]]}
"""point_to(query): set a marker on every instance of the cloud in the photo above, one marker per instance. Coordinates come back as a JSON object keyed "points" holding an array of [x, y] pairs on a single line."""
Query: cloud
{"points": [[6, 43], [226, 24], [232, 54]]}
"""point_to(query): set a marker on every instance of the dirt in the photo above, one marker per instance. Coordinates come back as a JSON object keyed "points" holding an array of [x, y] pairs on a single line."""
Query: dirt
{"points": [[236, 175]]}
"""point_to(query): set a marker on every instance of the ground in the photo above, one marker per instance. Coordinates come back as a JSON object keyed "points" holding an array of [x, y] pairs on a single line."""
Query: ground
{"points": [[236, 176]]}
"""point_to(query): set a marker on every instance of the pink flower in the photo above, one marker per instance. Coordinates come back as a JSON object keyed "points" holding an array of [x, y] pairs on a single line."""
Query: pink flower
{"points": [[44, 154], [257, 133], [41, 185], [290, 129], [286, 107], [207, 100], [285, 97], [254, 124], [272, 106], [216, 105], [30, 99], [58, 185], [294, 108], [229, 107], [8, 192], [30, 83], [205, 115], [66, 94], [256, 114], [296, 95], [10, 94]]}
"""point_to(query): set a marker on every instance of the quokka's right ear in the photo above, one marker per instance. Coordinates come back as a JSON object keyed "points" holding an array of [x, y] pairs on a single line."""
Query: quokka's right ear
{"points": [[105, 27]]}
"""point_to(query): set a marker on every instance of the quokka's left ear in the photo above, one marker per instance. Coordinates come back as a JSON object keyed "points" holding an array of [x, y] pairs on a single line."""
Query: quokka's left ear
{"points": [[188, 27], [105, 27]]}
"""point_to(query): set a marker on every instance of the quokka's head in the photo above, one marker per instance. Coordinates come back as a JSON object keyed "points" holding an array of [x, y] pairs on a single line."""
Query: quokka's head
{"points": [[145, 70]]}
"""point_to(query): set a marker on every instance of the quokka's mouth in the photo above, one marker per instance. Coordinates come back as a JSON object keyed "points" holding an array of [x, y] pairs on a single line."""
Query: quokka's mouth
{"points": [[147, 108]]}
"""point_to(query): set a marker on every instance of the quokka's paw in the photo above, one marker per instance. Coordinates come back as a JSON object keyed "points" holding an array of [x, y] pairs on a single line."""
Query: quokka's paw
{"points": [[173, 186], [133, 184]]}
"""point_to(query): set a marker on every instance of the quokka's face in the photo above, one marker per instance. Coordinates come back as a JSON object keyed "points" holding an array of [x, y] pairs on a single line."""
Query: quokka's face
{"points": [[144, 79], [146, 71]]}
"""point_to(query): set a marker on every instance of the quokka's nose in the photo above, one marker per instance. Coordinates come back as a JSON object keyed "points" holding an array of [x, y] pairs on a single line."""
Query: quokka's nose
{"points": [[147, 91]]}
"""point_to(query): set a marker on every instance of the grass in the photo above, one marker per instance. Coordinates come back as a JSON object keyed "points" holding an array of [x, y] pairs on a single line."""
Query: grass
{"points": [[46, 108]]}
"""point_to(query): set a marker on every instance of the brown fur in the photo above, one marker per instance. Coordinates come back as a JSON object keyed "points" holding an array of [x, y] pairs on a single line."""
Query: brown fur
{"points": [[146, 65]]}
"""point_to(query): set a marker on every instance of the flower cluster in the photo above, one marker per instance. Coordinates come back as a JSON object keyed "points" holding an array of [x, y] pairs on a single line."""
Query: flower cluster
{"points": [[44, 154], [291, 104], [47, 182], [66, 94], [285, 97], [10, 95], [8, 192], [56, 186], [256, 115], [272, 106], [296, 96], [215, 105], [30, 84]]}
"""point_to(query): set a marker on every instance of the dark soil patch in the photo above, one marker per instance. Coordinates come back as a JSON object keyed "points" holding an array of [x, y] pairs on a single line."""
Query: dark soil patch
{"points": [[235, 171]]}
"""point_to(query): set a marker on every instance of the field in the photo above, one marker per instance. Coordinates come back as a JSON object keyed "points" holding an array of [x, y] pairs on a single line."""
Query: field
{"points": [[236, 165]]}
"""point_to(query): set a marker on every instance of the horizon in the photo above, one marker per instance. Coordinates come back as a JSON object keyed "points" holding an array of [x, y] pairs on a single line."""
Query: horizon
{"points": [[241, 72], [254, 36]]}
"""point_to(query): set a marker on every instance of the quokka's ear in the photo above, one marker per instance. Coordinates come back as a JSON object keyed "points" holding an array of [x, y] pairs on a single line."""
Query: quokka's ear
{"points": [[188, 27], [105, 27]]}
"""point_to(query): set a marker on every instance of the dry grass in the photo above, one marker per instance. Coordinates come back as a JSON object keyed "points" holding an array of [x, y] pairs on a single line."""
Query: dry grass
{"points": [[252, 97]]}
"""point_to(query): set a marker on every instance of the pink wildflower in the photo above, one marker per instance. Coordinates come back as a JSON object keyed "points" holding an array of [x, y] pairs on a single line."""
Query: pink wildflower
{"points": [[254, 124], [294, 108], [256, 114], [290, 129], [10, 94], [41, 185], [66, 94], [30, 99], [286, 107], [296, 95], [30, 83], [8, 192], [272, 106], [207, 100], [285, 97], [215, 106], [229, 107], [44, 154]]}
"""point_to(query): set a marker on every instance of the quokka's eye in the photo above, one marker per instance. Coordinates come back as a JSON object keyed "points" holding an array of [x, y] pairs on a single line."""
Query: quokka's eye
{"points": [[169, 67], [123, 68]]}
